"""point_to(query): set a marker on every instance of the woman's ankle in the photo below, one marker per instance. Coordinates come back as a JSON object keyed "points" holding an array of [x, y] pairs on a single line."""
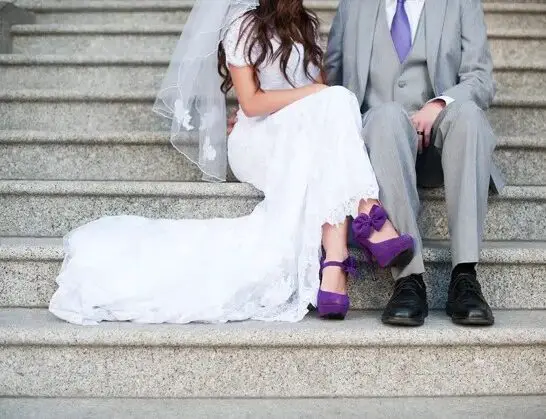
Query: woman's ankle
{"points": [[366, 205], [336, 255], [334, 280]]}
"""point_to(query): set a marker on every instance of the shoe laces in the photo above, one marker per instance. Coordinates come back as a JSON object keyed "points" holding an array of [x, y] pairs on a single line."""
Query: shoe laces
{"points": [[407, 284], [467, 284]]}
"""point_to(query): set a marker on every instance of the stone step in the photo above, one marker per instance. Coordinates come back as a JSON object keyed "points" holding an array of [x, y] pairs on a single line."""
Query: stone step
{"points": [[507, 407], [149, 156], [60, 110], [103, 74], [41, 356], [515, 15], [52, 208], [514, 46], [512, 274], [499, 16]]}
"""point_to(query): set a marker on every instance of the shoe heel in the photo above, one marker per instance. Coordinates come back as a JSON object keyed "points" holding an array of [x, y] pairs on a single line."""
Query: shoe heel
{"points": [[401, 260], [332, 312]]}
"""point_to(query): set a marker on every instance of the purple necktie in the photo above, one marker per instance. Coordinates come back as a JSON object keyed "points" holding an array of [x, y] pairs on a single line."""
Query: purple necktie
{"points": [[401, 31]]}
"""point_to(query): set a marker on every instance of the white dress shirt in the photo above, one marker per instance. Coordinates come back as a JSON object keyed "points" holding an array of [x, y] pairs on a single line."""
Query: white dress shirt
{"points": [[414, 9]]}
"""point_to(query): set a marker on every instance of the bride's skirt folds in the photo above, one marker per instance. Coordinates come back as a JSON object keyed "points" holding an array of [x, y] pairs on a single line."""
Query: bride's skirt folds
{"points": [[310, 161]]}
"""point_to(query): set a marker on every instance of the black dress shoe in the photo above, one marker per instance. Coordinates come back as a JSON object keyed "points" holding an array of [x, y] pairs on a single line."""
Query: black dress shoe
{"points": [[466, 304], [408, 305]]}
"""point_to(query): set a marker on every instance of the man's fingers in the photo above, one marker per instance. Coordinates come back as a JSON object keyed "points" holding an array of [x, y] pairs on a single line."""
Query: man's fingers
{"points": [[420, 128], [428, 131], [415, 122]]}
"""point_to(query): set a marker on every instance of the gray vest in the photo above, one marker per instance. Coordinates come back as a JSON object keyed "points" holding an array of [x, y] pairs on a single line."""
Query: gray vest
{"points": [[389, 81]]}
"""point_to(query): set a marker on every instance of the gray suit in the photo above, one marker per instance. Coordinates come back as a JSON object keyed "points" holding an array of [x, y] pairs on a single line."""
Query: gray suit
{"points": [[450, 57]]}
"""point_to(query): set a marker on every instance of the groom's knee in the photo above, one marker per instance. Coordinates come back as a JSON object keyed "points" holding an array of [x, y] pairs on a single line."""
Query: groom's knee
{"points": [[469, 123], [388, 112], [387, 118], [387, 124], [466, 113]]}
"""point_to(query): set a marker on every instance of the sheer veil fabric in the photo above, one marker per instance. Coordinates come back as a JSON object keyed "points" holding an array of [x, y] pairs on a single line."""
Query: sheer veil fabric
{"points": [[190, 94]]}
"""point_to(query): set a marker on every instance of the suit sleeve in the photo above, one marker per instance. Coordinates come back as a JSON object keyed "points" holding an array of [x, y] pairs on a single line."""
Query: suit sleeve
{"points": [[333, 63], [476, 71]]}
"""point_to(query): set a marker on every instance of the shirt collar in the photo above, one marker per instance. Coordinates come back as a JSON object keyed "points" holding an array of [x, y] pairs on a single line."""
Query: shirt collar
{"points": [[393, 2]]}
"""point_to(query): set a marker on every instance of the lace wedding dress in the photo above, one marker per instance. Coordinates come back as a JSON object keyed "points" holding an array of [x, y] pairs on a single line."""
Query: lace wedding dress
{"points": [[309, 160]]}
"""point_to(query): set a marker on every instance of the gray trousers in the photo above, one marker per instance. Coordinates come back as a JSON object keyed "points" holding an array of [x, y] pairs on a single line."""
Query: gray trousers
{"points": [[460, 157]]}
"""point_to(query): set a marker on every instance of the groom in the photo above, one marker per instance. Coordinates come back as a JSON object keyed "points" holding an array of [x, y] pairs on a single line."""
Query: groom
{"points": [[422, 71]]}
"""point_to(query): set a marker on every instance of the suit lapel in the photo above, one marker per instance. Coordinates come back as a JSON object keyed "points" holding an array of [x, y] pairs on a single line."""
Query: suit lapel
{"points": [[435, 13], [368, 13]]}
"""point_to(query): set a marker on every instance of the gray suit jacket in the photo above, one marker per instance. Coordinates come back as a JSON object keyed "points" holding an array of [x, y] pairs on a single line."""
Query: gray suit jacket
{"points": [[458, 55]]}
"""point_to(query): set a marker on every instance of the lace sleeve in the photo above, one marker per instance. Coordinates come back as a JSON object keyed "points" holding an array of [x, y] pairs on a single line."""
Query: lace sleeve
{"points": [[235, 42]]}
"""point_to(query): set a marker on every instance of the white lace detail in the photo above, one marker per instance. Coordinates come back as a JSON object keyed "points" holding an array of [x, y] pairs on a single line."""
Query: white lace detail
{"points": [[182, 115], [235, 48], [209, 153]]}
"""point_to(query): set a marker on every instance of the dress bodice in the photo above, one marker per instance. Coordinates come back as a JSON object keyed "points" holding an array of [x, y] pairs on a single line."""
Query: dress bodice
{"points": [[270, 75]]}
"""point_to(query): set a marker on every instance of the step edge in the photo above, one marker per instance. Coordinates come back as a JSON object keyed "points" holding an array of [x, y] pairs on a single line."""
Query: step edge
{"points": [[58, 95], [175, 29], [98, 60], [434, 251], [196, 189], [358, 330], [162, 138], [43, 6]]}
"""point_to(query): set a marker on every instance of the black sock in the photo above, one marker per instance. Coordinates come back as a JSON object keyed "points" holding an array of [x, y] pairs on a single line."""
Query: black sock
{"points": [[464, 268]]}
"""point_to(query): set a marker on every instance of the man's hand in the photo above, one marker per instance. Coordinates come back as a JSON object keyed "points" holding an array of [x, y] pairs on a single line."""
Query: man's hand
{"points": [[424, 120], [232, 120]]}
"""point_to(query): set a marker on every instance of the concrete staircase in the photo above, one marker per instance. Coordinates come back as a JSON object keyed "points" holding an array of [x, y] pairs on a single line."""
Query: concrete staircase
{"points": [[78, 140]]}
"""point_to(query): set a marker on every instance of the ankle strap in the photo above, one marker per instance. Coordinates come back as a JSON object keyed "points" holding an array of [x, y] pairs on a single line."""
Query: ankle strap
{"points": [[348, 266], [364, 223]]}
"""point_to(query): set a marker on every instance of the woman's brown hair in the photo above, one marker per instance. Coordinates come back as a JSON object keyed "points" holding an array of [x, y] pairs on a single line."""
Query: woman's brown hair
{"points": [[289, 21]]}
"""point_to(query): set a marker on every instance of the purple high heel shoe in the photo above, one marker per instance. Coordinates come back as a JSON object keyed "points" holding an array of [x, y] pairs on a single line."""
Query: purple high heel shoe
{"points": [[331, 305], [394, 252]]}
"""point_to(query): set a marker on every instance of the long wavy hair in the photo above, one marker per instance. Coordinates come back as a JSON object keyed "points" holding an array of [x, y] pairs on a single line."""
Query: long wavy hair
{"points": [[290, 22]]}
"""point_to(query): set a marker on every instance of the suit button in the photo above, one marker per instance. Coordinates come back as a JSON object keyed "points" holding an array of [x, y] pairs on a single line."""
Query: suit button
{"points": [[402, 84]]}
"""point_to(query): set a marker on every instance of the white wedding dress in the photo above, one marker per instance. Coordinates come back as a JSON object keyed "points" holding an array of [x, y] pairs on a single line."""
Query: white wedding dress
{"points": [[310, 161]]}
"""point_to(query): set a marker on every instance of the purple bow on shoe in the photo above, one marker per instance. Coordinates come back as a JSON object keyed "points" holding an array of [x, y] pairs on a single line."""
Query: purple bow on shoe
{"points": [[364, 223]]}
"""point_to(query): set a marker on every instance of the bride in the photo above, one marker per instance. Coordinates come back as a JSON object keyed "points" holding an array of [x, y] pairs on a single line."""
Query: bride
{"points": [[296, 140]]}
